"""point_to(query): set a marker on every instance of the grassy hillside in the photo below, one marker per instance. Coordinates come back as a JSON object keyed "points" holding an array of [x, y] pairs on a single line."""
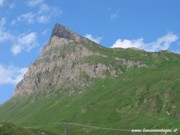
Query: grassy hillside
{"points": [[11, 129], [146, 97]]}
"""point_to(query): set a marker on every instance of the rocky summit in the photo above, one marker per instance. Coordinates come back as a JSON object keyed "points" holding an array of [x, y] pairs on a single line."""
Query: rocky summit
{"points": [[60, 65], [63, 32], [77, 86]]}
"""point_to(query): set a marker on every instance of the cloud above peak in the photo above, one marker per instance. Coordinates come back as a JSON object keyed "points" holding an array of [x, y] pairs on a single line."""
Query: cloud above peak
{"points": [[21, 42], [25, 43], [43, 14], [95, 39], [162, 43]]}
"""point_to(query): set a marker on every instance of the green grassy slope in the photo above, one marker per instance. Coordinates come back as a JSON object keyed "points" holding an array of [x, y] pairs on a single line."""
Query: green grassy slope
{"points": [[146, 97], [11, 129]]}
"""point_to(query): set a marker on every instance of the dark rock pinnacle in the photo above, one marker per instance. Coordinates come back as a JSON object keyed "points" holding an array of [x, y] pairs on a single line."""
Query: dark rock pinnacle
{"points": [[63, 32]]}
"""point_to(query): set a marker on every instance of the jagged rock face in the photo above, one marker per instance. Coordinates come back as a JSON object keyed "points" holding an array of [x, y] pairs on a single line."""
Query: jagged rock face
{"points": [[59, 66], [63, 32]]}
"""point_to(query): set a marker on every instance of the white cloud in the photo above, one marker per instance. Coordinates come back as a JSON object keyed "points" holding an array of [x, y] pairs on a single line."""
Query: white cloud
{"points": [[43, 15], [47, 12], [15, 49], [44, 8], [28, 39], [34, 2], [97, 40], [1, 3], [11, 74], [128, 43], [25, 43], [162, 43], [114, 15], [21, 43], [4, 35], [43, 19], [29, 17]]}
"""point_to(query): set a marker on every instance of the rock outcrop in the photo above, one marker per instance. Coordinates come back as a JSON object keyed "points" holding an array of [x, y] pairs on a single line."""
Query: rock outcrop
{"points": [[59, 66], [63, 32]]}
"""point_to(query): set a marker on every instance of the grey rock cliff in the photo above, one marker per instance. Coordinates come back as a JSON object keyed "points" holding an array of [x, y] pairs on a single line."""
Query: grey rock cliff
{"points": [[59, 66], [63, 32]]}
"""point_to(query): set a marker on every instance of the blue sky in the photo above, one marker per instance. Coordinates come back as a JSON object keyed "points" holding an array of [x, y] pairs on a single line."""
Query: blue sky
{"points": [[25, 28]]}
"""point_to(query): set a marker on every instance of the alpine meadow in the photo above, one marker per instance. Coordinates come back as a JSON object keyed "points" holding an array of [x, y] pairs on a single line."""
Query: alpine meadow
{"points": [[78, 87]]}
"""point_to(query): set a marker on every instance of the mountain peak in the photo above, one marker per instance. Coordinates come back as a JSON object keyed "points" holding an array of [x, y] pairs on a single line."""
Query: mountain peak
{"points": [[63, 32]]}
